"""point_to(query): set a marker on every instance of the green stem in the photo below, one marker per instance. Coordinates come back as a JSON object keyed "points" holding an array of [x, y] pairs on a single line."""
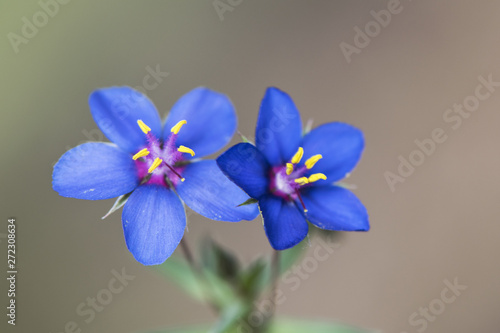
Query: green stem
{"points": [[275, 273], [188, 254]]}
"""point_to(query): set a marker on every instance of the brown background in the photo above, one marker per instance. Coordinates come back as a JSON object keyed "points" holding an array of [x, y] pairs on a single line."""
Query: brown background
{"points": [[441, 223]]}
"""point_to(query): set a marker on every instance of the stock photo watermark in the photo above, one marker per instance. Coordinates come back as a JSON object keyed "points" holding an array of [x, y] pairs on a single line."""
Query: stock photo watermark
{"points": [[11, 270], [421, 318], [453, 117], [32, 25], [290, 281], [373, 28], [223, 6], [88, 309], [152, 80]]}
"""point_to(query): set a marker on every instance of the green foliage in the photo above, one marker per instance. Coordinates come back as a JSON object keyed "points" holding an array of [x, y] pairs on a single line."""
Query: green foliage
{"points": [[179, 272], [217, 260], [234, 291], [253, 278], [282, 325]]}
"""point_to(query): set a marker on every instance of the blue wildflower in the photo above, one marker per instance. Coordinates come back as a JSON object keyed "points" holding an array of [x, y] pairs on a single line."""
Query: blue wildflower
{"points": [[157, 164], [293, 176]]}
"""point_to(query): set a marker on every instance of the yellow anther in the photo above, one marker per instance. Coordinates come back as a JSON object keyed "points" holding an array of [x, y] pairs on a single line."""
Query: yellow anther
{"points": [[183, 179], [298, 156], [302, 181], [145, 128], [315, 177], [289, 168], [184, 149], [155, 164], [141, 153], [178, 126], [311, 161]]}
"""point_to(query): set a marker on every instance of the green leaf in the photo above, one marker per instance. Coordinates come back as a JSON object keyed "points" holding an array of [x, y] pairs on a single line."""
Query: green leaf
{"points": [[230, 317], [219, 261], [179, 272], [204, 284], [251, 279], [287, 259], [219, 291]]}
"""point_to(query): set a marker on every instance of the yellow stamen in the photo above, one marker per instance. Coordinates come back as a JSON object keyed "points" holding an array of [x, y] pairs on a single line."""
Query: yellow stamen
{"points": [[315, 177], [178, 126], [302, 181], [145, 128], [289, 168], [155, 164], [141, 153], [184, 149], [298, 156], [311, 161]]}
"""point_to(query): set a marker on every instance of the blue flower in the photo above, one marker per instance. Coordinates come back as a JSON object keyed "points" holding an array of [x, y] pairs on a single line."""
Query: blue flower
{"points": [[293, 176], [157, 165]]}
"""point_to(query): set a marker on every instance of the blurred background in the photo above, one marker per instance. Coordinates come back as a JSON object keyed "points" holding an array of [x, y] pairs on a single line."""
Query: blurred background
{"points": [[396, 80]]}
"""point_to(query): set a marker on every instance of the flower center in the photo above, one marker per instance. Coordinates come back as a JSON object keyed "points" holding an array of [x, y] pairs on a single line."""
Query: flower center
{"points": [[287, 180], [161, 162]]}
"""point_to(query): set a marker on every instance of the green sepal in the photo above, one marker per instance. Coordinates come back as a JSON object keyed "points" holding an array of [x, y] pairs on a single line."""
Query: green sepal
{"points": [[122, 199], [308, 127], [245, 139], [248, 202]]}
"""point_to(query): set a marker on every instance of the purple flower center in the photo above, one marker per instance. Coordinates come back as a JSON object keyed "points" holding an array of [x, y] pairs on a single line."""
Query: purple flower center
{"points": [[284, 185], [160, 162], [287, 180]]}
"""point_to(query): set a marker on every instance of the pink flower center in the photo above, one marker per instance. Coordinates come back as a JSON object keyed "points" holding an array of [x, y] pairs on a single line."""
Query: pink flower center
{"points": [[160, 162], [286, 180]]}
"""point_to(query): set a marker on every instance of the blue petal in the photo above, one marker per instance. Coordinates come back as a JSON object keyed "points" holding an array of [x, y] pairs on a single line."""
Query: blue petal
{"points": [[247, 167], [208, 192], [279, 128], [284, 223], [211, 121], [94, 171], [335, 208], [116, 111], [341, 146], [153, 223]]}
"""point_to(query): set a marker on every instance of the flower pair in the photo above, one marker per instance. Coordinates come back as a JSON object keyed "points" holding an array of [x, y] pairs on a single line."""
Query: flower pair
{"points": [[158, 169]]}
